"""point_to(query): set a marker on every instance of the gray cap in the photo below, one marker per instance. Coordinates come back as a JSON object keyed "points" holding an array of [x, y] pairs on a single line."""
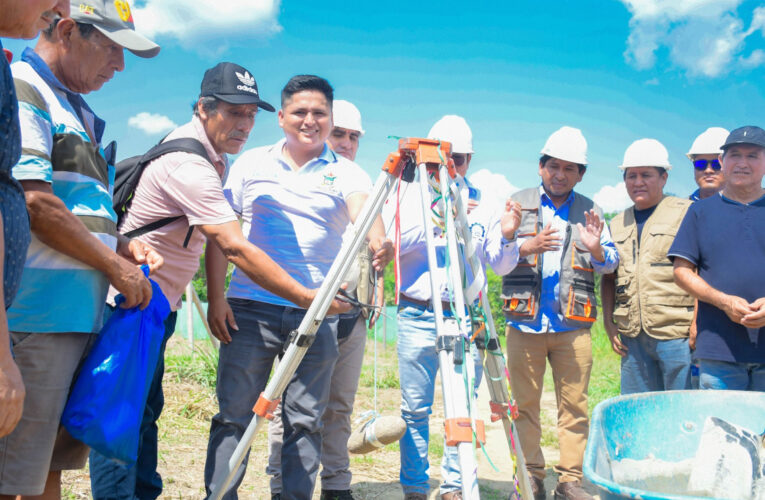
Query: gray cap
{"points": [[745, 135], [114, 19]]}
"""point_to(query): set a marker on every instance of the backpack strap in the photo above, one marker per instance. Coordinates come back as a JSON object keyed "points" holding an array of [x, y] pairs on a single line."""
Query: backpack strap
{"points": [[185, 145]]}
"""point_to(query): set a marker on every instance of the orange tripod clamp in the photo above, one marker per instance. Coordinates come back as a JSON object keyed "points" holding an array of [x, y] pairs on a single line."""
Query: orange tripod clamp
{"points": [[265, 407], [459, 430], [432, 153]]}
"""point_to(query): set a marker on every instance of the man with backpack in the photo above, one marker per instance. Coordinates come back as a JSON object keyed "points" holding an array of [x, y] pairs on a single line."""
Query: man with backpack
{"points": [[175, 203]]}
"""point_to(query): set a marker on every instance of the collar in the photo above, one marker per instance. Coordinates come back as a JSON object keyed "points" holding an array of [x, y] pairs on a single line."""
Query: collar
{"points": [[31, 57], [759, 201], [546, 199], [217, 159], [695, 195], [327, 156]]}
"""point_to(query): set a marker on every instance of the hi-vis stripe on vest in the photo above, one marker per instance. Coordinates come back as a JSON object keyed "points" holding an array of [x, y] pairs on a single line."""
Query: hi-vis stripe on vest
{"points": [[522, 288]]}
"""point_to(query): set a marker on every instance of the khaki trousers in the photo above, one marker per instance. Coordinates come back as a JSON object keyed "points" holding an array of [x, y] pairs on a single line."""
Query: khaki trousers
{"points": [[570, 356]]}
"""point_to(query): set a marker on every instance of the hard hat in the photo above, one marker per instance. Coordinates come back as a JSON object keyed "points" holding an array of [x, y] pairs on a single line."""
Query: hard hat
{"points": [[454, 129], [709, 142], [567, 144], [346, 115], [646, 153]]}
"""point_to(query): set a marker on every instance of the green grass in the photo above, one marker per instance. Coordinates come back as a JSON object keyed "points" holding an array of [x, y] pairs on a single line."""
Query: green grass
{"points": [[201, 366]]}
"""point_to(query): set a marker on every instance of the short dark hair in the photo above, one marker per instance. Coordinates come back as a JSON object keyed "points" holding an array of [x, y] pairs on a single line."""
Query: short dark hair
{"points": [[85, 29], [209, 104], [661, 171], [544, 158], [299, 83]]}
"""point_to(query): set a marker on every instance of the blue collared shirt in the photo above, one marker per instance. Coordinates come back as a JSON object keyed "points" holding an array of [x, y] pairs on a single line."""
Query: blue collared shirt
{"points": [[550, 318]]}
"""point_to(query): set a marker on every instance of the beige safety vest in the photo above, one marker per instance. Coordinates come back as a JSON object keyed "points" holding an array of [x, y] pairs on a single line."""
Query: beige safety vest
{"points": [[522, 288], [647, 297]]}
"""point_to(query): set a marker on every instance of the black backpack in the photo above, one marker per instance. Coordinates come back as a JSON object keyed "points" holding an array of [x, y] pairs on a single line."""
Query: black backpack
{"points": [[129, 171]]}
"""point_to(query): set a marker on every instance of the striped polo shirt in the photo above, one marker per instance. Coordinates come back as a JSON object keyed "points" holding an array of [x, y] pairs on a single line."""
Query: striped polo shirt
{"points": [[60, 144]]}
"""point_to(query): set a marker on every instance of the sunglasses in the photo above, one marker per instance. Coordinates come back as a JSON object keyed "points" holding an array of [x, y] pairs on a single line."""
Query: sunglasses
{"points": [[702, 164], [459, 159]]}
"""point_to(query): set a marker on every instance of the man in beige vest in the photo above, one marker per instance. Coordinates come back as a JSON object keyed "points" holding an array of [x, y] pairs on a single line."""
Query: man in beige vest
{"points": [[647, 316]]}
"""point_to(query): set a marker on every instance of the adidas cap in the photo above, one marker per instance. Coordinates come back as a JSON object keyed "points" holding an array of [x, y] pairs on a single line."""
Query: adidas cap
{"points": [[232, 83]]}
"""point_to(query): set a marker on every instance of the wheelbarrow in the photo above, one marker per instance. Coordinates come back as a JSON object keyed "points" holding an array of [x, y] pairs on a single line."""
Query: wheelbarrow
{"points": [[659, 426]]}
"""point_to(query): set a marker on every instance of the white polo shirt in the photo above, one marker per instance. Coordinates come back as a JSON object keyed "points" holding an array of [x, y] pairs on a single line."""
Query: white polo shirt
{"points": [[485, 227], [297, 217]]}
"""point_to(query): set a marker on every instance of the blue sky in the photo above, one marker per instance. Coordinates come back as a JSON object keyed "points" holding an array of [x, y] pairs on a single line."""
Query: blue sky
{"points": [[620, 70]]}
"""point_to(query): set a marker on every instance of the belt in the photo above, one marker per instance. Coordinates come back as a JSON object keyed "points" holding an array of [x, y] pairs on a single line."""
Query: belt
{"points": [[425, 304]]}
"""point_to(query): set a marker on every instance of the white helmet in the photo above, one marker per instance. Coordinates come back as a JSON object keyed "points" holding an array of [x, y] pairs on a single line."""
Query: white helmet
{"points": [[454, 129], [568, 144], [646, 153], [709, 142], [346, 115]]}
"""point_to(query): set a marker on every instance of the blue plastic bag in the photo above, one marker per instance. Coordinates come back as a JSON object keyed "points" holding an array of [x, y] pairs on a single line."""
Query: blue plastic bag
{"points": [[106, 404]]}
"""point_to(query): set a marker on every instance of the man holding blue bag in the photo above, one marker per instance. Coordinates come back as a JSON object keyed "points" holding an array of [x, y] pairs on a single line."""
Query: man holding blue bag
{"points": [[75, 252]]}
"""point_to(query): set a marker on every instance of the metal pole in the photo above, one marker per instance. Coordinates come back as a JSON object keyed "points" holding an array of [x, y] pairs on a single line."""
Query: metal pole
{"points": [[190, 315]]}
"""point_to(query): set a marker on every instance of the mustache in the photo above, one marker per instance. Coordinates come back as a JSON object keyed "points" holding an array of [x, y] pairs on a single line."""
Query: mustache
{"points": [[238, 135]]}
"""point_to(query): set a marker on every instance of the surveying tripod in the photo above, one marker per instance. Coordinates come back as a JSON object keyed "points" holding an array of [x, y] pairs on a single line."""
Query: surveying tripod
{"points": [[432, 160]]}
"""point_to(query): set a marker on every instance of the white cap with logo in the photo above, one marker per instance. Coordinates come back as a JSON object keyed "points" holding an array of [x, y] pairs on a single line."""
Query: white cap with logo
{"points": [[708, 142], [114, 19], [453, 129], [646, 153], [567, 144], [346, 115]]}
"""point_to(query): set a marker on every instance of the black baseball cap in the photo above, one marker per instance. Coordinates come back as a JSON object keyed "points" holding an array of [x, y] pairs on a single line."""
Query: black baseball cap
{"points": [[232, 83], [745, 135]]}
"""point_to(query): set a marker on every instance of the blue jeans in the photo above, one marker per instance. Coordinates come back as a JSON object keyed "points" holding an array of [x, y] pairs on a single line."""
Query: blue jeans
{"points": [[731, 376], [243, 369], [655, 365], [418, 365], [110, 480]]}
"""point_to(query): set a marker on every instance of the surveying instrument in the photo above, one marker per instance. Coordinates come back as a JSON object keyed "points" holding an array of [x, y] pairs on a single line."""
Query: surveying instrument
{"points": [[458, 336]]}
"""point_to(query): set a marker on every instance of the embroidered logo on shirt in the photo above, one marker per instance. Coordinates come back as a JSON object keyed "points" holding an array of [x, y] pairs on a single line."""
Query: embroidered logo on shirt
{"points": [[477, 230], [328, 182]]}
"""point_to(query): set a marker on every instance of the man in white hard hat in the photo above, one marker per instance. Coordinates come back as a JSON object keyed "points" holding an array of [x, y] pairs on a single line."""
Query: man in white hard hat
{"points": [[705, 156], [550, 305], [647, 316], [722, 268], [707, 172], [351, 338], [493, 230]]}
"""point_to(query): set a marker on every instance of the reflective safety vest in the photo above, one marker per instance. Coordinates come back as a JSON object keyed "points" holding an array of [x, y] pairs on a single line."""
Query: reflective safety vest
{"points": [[522, 288], [647, 297]]}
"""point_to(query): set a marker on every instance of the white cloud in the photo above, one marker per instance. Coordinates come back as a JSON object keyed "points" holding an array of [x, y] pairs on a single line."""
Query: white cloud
{"points": [[756, 58], [613, 198], [151, 124], [203, 24], [494, 187], [652, 81], [704, 37]]}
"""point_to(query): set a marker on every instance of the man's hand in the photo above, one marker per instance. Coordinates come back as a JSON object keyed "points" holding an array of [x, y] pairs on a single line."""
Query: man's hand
{"points": [[735, 307], [131, 283], [756, 318], [547, 240], [589, 234], [382, 253], [379, 301], [140, 253], [11, 394], [692, 334], [616, 341], [511, 219], [219, 314]]}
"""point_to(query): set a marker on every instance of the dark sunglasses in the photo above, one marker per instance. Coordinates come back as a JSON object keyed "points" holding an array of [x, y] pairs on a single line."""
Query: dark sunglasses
{"points": [[459, 159], [702, 164]]}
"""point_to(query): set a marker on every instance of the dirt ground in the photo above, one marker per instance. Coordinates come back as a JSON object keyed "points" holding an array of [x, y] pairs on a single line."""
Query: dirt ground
{"points": [[189, 407]]}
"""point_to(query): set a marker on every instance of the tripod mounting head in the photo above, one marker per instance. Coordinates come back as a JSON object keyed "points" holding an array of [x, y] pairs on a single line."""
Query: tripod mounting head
{"points": [[413, 151]]}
